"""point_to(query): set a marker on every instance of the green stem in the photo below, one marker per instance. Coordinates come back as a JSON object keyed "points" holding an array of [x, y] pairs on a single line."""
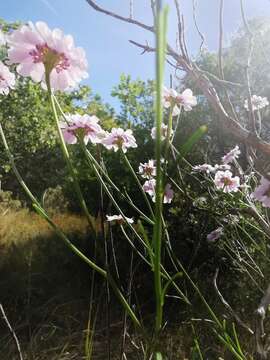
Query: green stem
{"points": [[161, 19], [67, 157], [138, 182]]}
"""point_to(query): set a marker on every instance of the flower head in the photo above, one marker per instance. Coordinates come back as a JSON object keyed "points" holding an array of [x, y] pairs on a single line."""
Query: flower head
{"points": [[203, 168], [84, 126], [257, 103], [262, 192], [222, 167], [150, 188], [164, 131], [147, 170], [171, 98], [226, 182], [215, 234], [118, 219], [36, 49], [119, 138], [231, 155], [7, 79]]}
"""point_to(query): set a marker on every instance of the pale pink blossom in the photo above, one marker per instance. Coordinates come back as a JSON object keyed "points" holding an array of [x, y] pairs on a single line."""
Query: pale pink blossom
{"points": [[147, 170], [3, 39], [7, 79], [226, 182], [36, 47], [119, 138], [84, 126], [150, 188], [171, 98], [164, 132], [231, 155], [262, 192], [168, 194], [204, 168], [257, 102], [119, 219], [215, 234]]}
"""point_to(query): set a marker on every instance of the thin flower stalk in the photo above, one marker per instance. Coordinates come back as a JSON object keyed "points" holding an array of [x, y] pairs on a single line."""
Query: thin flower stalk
{"points": [[67, 157]]}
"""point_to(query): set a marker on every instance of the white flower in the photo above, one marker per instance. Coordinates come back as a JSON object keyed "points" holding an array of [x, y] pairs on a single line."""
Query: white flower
{"points": [[226, 182], [147, 170], [257, 103], [231, 155], [118, 219], [7, 79]]}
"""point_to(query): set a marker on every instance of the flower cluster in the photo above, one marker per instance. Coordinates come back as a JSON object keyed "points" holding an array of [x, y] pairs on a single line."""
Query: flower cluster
{"points": [[172, 99], [84, 126], [150, 188], [7, 79], [119, 138], [257, 102], [118, 219], [215, 234], [148, 170], [223, 178], [164, 132], [38, 50], [262, 192]]}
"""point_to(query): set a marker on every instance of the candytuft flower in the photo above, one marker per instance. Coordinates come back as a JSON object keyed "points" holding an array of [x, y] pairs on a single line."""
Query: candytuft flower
{"points": [[150, 188], [215, 234], [147, 170], [2, 38], [119, 138], [226, 182], [36, 49], [7, 79], [164, 131], [171, 98], [203, 168], [262, 192], [231, 155], [83, 126], [118, 219], [257, 102]]}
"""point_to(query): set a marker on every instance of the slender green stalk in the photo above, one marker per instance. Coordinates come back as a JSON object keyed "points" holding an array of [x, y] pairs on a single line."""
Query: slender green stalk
{"points": [[160, 26], [137, 181], [67, 157]]}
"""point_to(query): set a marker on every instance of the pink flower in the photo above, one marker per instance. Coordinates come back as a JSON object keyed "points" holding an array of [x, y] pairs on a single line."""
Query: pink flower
{"points": [[150, 188], [119, 138], [2, 38], [170, 97], [7, 79], [204, 168], [147, 170], [81, 125], [257, 102], [231, 155], [215, 234], [262, 192], [118, 219], [36, 48], [164, 131], [226, 182], [168, 194]]}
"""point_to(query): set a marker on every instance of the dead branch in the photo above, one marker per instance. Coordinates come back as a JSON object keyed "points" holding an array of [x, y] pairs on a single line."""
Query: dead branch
{"points": [[12, 332], [228, 124], [228, 306]]}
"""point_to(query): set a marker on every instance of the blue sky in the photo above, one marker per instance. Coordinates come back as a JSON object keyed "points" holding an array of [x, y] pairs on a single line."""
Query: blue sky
{"points": [[105, 40]]}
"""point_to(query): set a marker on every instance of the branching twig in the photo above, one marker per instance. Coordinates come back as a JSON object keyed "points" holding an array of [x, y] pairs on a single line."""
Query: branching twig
{"points": [[228, 306], [12, 332]]}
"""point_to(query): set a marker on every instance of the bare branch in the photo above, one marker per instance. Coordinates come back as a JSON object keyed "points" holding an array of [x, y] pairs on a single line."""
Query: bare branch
{"points": [[228, 306], [194, 6], [12, 332], [119, 17], [146, 48], [261, 343]]}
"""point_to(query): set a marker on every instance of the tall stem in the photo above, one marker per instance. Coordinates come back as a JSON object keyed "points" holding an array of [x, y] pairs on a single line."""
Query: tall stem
{"points": [[67, 157], [157, 238]]}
